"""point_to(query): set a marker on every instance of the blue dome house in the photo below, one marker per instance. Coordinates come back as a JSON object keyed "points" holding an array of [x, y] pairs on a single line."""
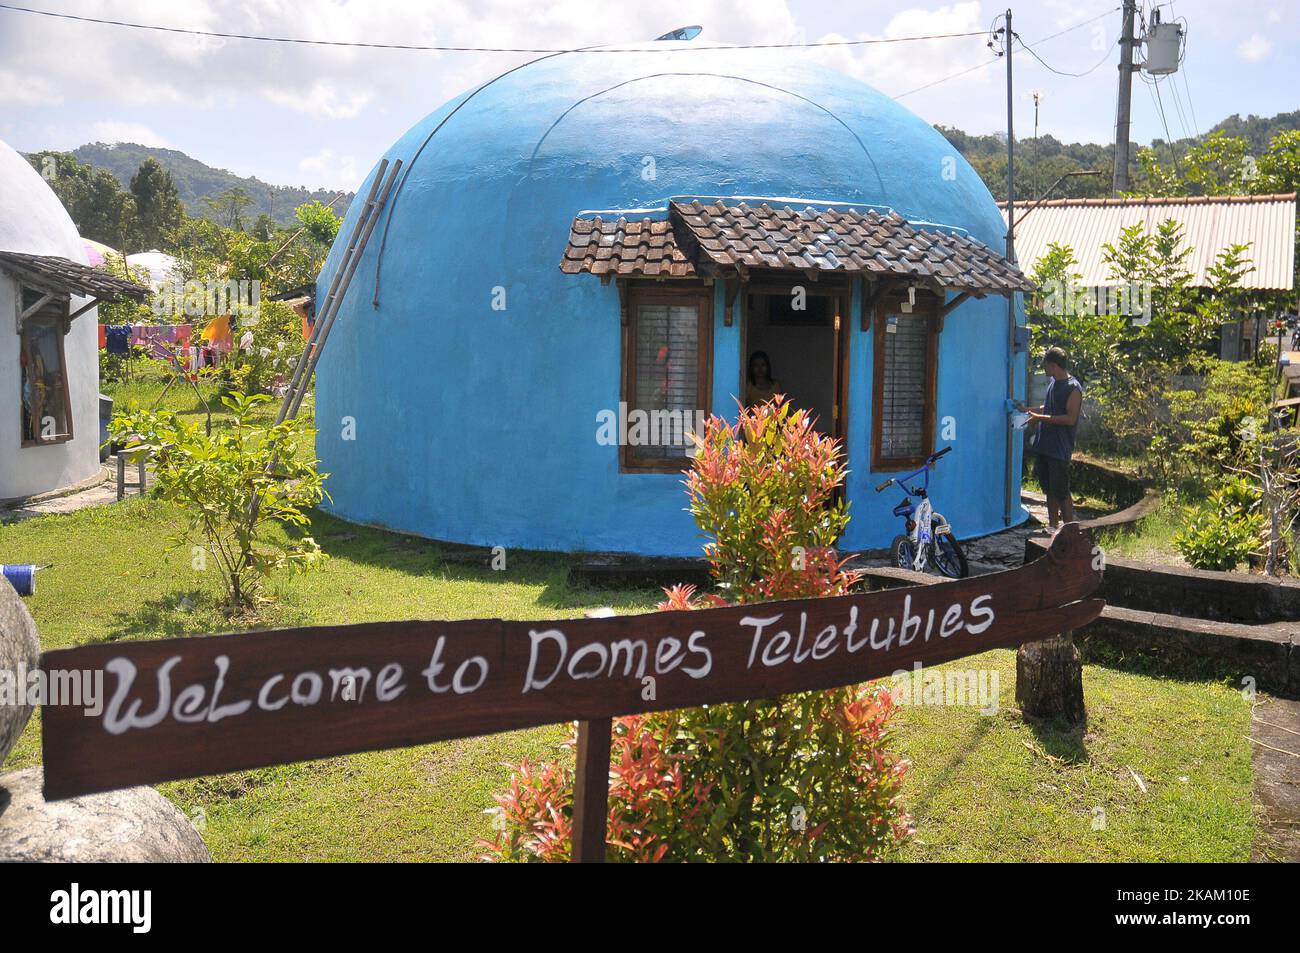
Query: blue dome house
{"points": [[579, 259]]}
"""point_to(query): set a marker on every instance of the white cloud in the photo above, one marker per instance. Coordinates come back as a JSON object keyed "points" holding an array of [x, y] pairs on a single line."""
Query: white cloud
{"points": [[147, 68], [896, 68], [331, 171], [1254, 48], [112, 130], [27, 90]]}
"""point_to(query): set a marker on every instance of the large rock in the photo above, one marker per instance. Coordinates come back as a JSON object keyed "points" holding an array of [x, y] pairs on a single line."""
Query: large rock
{"points": [[19, 646], [135, 824]]}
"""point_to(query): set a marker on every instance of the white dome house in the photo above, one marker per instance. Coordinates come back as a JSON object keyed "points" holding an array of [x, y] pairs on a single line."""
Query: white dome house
{"points": [[49, 365]]}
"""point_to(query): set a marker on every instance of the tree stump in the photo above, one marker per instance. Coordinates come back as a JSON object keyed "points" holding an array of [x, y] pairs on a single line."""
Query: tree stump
{"points": [[1049, 680]]}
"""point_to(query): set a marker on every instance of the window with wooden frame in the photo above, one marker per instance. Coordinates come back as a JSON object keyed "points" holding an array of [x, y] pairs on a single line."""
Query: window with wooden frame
{"points": [[667, 372], [45, 404], [906, 369]]}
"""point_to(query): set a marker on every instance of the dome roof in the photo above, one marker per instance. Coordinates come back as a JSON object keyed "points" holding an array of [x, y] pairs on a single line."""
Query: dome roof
{"points": [[468, 370], [611, 129], [32, 219]]}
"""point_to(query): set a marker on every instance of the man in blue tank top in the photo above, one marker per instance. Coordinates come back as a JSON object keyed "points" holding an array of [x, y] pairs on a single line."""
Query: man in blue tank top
{"points": [[1057, 419]]}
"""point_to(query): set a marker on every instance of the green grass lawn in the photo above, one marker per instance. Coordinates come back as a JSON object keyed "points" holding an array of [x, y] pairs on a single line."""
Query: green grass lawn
{"points": [[1151, 539], [981, 787]]}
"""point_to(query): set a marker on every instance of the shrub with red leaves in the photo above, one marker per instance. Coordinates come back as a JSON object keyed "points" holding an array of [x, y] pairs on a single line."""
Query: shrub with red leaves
{"points": [[801, 777]]}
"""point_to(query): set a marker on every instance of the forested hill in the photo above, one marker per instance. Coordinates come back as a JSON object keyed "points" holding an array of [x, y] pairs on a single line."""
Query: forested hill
{"points": [[196, 181], [1041, 161]]}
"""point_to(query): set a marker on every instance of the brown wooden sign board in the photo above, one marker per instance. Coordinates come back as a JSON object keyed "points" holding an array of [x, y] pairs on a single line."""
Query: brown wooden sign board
{"points": [[178, 708]]}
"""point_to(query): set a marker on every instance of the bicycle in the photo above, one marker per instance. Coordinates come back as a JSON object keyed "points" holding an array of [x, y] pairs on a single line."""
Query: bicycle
{"points": [[929, 538]]}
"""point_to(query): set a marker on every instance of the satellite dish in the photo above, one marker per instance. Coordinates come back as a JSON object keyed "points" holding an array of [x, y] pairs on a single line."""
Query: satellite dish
{"points": [[682, 33]]}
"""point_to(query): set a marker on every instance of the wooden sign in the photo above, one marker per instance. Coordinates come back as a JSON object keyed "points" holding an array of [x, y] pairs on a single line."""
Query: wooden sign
{"points": [[177, 708]]}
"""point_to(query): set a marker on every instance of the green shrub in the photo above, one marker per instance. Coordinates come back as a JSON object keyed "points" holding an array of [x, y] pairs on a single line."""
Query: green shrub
{"points": [[233, 485], [1225, 530]]}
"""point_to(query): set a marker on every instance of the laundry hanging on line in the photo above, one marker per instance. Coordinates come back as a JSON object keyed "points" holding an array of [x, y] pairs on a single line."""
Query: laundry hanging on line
{"points": [[117, 338], [161, 340]]}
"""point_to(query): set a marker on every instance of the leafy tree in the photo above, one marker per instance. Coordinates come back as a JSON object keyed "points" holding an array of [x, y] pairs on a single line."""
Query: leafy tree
{"points": [[1157, 261], [109, 215], [158, 208], [229, 206], [1062, 314], [1278, 170], [319, 220], [95, 201]]}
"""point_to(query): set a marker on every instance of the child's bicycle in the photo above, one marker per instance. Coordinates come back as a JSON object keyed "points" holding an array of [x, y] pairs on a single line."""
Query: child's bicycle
{"points": [[929, 538]]}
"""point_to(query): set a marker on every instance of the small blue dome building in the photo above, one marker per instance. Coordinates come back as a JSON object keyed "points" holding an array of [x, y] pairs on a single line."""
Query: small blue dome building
{"points": [[582, 256]]}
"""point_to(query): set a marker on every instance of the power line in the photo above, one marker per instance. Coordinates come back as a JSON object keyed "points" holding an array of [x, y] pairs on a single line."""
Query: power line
{"points": [[946, 78], [1191, 107], [1092, 69], [301, 41], [1028, 46], [1160, 106], [1178, 107]]}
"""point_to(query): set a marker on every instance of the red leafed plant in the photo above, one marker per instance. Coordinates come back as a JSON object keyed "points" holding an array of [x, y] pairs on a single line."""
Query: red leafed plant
{"points": [[651, 801], [801, 777]]}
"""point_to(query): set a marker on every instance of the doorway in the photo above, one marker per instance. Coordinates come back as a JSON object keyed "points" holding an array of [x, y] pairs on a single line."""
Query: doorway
{"points": [[802, 327]]}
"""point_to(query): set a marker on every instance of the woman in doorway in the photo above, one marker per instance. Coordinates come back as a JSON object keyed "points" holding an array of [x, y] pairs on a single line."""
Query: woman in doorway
{"points": [[761, 385]]}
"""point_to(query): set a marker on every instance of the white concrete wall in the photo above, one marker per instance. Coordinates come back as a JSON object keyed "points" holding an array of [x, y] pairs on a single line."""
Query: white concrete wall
{"points": [[33, 221]]}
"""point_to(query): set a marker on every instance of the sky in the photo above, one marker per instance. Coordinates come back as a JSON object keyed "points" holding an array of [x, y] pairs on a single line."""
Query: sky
{"points": [[320, 117]]}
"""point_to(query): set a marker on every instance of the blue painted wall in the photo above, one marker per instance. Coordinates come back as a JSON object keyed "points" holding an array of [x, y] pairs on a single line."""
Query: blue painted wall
{"points": [[479, 426]]}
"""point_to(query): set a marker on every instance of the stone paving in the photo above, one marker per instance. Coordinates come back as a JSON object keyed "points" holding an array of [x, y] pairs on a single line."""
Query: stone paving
{"points": [[999, 551], [101, 494]]}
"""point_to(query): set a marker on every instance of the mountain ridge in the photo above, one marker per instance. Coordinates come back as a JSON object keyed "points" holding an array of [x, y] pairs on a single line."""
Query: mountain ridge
{"points": [[196, 180]]}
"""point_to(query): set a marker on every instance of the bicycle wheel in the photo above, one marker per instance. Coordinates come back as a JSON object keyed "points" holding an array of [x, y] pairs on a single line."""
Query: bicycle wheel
{"points": [[903, 552], [948, 557]]}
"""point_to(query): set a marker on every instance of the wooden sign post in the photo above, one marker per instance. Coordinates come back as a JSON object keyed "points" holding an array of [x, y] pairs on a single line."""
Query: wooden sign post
{"points": [[178, 708]]}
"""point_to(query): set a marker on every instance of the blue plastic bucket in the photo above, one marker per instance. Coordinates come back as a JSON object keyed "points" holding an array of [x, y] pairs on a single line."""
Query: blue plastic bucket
{"points": [[22, 578]]}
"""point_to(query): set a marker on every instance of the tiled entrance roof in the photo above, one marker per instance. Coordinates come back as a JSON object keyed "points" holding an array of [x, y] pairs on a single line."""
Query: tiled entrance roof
{"points": [[719, 238], [621, 247]]}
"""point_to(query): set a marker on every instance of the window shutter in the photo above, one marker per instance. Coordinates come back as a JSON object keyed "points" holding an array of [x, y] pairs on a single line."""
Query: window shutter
{"points": [[667, 372], [904, 389]]}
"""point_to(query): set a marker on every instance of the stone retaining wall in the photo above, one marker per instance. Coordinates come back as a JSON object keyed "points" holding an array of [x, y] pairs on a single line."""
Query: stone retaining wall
{"points": [[1196, 593]]}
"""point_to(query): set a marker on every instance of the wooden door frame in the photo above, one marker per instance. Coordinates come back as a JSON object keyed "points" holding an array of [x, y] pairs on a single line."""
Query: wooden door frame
{"points": [[840, 291]]}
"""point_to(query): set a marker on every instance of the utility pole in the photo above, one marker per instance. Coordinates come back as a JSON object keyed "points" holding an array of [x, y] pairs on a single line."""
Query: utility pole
{"points": [[1011, 147], [1124, 105], [1008, 39]]}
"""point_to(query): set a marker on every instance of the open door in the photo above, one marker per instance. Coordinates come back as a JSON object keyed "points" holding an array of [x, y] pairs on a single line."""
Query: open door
{"points": [[801, 328]]}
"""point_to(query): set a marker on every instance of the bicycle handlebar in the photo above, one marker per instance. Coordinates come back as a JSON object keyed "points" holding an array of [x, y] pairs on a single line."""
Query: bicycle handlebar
{"points": [[929, 462]]}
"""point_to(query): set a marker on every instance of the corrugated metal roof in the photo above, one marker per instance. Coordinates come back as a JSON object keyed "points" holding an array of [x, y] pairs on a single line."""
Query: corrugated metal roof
{"points": [[1210, 223]]}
